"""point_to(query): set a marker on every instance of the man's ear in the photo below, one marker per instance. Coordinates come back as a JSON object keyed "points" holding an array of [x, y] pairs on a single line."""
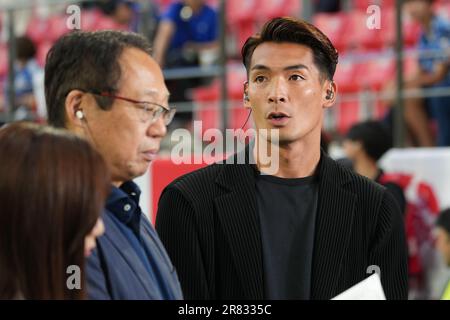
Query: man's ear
{"points": [[246, 97], [330, 94], [72, 105]]}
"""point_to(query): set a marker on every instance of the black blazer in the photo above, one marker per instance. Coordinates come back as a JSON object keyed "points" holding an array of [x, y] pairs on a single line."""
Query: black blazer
{"points": [[209, 224]]}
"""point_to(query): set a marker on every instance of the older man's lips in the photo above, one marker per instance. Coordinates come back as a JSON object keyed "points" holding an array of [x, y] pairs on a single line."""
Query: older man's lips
{"points": [[150, 155]]}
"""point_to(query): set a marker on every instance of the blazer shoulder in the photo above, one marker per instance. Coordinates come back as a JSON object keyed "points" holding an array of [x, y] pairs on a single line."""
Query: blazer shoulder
{"points": [[198, 182], [357, 182]]}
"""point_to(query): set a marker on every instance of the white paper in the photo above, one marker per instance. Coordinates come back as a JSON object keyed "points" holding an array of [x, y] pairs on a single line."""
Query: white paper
{"points": [[368, 289]]}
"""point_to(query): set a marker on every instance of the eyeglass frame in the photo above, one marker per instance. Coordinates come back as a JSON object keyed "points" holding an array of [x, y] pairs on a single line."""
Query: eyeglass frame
{"points": [[164, 109]]}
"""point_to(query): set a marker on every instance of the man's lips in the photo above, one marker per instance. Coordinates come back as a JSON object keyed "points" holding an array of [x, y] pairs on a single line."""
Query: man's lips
{"points": [[278, 118], [150, 155]]}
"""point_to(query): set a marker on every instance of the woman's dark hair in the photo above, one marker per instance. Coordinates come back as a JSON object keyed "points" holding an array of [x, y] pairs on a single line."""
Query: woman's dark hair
{"points": [[375, 138], [85, 61], [53, 185], [295, 31]]}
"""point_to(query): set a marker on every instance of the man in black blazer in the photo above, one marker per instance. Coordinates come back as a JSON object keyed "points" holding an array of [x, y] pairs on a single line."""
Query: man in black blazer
{"points": [[306, 228]]}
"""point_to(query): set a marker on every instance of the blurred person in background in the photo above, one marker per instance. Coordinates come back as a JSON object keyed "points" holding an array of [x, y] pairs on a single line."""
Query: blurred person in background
{"points": [[121, 11], [187, 36], [443, 244], [53, 187], [364, 144], [27, 74], [433, 72], [327, 5], [106, 87]]}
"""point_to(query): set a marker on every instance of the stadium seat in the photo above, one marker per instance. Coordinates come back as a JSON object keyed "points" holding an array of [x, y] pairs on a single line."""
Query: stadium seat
{"points": [[363, 37], [163, 172], [3, 60], [241, 19], [57, 27], [347, 114], [37, 30], [268, 9], [334, 26], [89, 19], [42, 51], [207, 101], [345, 76], [374, 73]]}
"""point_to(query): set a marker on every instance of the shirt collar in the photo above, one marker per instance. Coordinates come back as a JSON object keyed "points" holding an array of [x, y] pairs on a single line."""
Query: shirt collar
{"points": [[123, 202]]}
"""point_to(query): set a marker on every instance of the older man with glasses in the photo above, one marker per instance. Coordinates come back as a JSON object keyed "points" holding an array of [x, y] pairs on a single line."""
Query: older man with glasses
{"points": [[105, 87]]}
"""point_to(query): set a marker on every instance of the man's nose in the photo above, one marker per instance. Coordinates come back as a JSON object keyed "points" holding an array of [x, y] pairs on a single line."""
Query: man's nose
{"points": [[158, 129], [278, 91]]}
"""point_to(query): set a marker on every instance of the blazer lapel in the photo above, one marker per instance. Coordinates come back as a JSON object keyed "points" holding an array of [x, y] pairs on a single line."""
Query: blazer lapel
{"points": [[333, 226], [115, 236], [237, 212]]}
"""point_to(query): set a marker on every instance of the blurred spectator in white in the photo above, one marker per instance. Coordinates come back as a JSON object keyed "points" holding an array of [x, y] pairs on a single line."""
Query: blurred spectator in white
{"points": [[443, 244], [433, 71]]}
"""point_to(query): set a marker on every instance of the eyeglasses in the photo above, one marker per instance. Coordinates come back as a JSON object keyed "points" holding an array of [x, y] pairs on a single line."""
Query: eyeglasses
{"points": [[148, 111]]}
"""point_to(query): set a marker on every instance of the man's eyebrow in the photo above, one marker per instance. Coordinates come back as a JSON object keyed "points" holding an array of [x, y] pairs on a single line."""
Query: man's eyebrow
{"points": [[154, 92], [293, 67], [296, 67]]}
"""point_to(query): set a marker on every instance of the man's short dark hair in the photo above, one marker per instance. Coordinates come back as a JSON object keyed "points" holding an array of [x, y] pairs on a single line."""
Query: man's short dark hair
{"points": [[443, 221], [295, 31], [375, 138], [85, 61]]}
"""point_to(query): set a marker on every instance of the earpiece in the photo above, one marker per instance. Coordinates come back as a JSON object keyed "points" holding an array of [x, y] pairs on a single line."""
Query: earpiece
{"points": [[79, 114], [329, 95], [246, 98]]}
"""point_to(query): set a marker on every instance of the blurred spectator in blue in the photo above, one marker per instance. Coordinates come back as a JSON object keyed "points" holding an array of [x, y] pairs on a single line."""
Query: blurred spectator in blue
{"points": [[433, 69], [27, 74], [186, 37], [443, 243], [364, 144]]}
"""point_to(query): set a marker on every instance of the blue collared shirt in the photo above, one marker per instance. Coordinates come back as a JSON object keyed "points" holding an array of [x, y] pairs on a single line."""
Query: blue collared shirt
{"points": [[123, 203]]}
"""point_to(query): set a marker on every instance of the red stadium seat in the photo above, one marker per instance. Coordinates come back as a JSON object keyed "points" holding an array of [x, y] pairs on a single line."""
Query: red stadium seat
{"points": [[89, 19], [42, 51], [363, 37], [57, 27], [442, 8], [411, 31], [268, 9], [241, 10], [207, 101], [37, 30], [241, 19], [3, 60], [334, 26], [373, 74], [361, 5], [163, 172], [345, 76], [347, 113]]}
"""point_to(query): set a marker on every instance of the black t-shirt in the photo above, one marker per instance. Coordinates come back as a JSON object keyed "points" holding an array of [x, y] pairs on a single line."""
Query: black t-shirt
{"points": [[287, 210]]}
